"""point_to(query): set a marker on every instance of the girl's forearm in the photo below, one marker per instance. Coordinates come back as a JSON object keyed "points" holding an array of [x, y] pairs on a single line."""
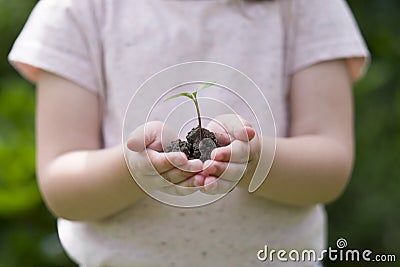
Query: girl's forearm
{"points": [[91, 185], [88, 185], [306, 170]]}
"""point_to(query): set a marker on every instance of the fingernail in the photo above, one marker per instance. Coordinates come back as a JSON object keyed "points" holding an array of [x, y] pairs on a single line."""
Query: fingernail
{"points": [[250, 132], [198, 180]]}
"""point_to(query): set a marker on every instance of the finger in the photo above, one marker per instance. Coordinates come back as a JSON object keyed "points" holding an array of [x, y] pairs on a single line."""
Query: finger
{"points": [[248, 134], [163, 162], [224, 138], [193, 165], [191, 181], [210, 183], [226, 170], [220, 133], [157, 182], [177, 175], [144, 135], [150, 135], [234, 126], [184, 188], [214, 168], [198, 180], [214, 186], [237, 151]]}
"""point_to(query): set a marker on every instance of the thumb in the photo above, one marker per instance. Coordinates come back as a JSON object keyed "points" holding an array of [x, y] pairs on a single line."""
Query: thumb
{"points": [[147, 135], [235, 127], [245, 134]]}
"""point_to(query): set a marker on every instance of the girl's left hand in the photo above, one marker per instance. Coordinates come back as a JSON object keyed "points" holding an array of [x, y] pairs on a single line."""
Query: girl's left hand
{"points": [[238, 156], [171, 173]]}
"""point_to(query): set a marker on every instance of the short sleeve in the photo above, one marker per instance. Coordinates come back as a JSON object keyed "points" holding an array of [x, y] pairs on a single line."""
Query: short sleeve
{"points": [[61, 37], [323, 30]]}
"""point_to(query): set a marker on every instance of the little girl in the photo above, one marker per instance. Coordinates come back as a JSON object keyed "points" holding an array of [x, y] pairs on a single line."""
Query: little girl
{"points": [[87, 58]]}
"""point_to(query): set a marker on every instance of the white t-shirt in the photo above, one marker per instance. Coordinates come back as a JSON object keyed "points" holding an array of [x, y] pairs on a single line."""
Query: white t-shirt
{"points": [[111, 47]]}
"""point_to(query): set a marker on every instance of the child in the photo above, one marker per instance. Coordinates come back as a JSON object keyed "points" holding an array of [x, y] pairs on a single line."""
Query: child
{"points": [[88, 57]]}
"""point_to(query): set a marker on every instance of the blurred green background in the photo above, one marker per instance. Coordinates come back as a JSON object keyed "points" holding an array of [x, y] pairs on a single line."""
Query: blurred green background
{"points": [[367, 215]]}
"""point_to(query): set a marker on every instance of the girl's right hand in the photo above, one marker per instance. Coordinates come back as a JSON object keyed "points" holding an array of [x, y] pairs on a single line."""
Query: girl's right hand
{"points": [[171, 172]]}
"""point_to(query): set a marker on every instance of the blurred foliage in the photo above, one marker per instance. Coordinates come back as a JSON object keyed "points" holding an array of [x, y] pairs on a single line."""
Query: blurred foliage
{"points": [[367, 214], [13, 15], [18, 192], [27, 231]]}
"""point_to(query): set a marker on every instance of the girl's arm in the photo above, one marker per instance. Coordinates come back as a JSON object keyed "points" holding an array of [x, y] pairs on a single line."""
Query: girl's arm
{"points": [[313, 165], [78, 179]]}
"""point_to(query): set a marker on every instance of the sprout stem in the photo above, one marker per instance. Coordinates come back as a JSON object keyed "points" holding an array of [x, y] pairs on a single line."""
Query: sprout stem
{"points": [[193, 96], [196, 103]]}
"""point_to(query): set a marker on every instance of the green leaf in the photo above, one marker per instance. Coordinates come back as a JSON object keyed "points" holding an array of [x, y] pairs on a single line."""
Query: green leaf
{"points": [[178, 95], [204, 86]]}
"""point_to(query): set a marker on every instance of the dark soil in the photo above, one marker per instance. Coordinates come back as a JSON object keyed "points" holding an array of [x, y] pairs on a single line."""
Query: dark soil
{"points": [[194, 148]]}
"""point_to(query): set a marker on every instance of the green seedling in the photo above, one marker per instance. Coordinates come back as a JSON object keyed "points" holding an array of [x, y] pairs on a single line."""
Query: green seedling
{"points": [[193, 96]]}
